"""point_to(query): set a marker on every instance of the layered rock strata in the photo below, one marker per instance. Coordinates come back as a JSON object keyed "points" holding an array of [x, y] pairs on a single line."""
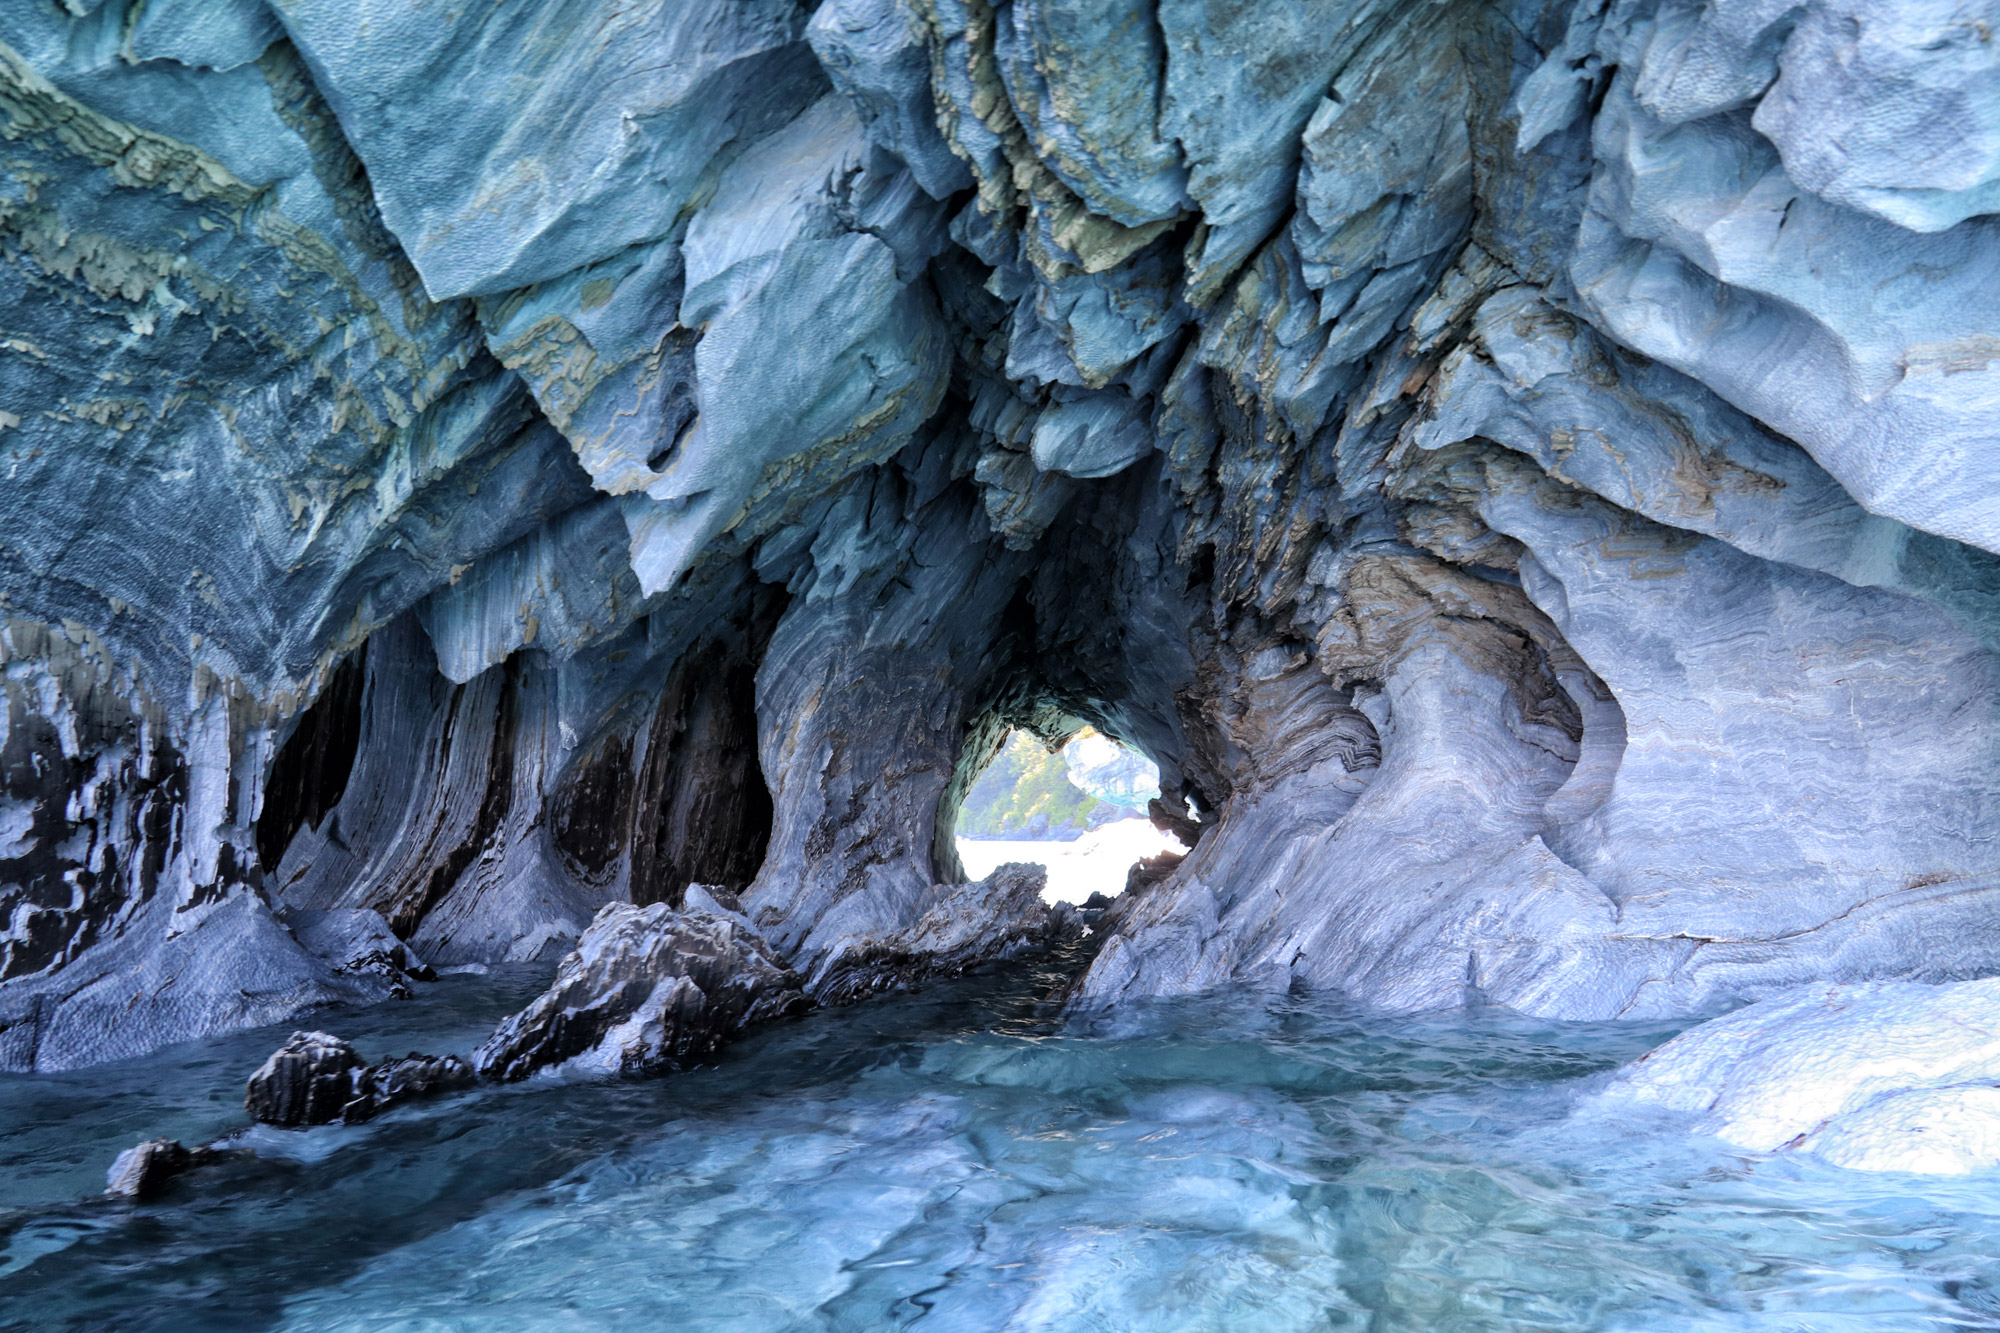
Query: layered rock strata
{"points": [[1523, 471]]}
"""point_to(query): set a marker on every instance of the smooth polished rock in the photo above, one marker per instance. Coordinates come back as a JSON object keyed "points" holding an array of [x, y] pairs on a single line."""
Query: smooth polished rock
{"points": [[1884, 1077]]}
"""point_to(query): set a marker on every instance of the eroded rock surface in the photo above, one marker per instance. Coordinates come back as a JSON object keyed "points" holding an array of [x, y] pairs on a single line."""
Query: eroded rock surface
{"points": [[315, 1078], [310, 1080], [647, 989], [962, 926], [1885, 1077], [1523, 472]]}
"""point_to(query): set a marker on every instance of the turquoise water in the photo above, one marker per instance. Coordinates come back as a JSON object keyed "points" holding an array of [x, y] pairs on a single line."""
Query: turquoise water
{"points": [[957, 1159]]}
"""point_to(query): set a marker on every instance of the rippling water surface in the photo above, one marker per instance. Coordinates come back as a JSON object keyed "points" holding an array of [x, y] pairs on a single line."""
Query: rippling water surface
{"points": [[955, 1159]]}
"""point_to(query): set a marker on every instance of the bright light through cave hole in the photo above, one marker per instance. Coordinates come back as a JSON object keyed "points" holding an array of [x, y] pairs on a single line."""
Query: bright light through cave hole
{"points": [[1078, 811]]}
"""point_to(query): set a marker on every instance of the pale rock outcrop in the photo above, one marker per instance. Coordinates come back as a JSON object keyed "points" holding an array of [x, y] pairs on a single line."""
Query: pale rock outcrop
{"points": [[1886, 1077]]}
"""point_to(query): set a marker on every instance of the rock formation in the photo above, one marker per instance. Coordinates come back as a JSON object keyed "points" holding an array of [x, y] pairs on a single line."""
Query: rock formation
{"points": [[140, 1172], [1888, 1076], [962, 926], [1524, 470], [648, 988], [317, 1079]]}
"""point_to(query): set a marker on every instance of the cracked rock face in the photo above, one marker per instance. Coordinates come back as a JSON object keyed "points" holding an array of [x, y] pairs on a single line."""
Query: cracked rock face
{"points": [[1523, 472], [315, 1078]]}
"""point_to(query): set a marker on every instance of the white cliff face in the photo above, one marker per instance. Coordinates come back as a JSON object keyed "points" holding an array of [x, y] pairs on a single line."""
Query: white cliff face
{"points": [[1524, 473]]}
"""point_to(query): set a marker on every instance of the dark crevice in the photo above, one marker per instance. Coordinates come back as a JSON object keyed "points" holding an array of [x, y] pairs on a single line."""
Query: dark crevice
{"points": [[310, 773], [494, 804]]}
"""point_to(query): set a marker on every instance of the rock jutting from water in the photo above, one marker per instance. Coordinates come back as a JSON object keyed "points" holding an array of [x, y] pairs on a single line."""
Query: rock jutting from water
{"points": [[656, 988], [315, 1078], [648, 988], [141, 1172], [1523, 472]]}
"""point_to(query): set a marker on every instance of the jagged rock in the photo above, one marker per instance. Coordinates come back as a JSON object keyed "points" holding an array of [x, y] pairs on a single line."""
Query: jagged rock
{"points": [[963, 926], [1169, 820], [1150, 870], [316, 1078], [310, 1080], [648, 988], [1887, 1077], [141, 1172]]}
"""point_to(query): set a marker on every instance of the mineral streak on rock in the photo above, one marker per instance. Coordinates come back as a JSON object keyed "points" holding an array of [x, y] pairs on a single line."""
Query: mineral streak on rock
{"points": [[1523, 472]]}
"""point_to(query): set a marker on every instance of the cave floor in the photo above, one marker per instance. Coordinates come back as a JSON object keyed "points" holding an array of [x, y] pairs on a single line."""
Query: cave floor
{"points": [[956, 1159]]}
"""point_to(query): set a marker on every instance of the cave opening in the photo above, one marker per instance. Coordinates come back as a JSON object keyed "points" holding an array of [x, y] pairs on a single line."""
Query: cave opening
{"points": [[1074, 802]]}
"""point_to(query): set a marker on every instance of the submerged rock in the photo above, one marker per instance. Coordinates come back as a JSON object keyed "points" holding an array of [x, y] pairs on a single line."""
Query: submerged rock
{"points": [[1894, 1076], [648, 988], [963, 926]]}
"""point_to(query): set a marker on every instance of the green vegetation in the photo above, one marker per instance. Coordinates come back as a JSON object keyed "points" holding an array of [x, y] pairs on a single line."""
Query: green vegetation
{"points": [[1026, 791]]}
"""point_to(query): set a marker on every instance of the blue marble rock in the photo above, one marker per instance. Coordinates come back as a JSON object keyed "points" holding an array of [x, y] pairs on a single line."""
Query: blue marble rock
{"points": [[1524, 473]]}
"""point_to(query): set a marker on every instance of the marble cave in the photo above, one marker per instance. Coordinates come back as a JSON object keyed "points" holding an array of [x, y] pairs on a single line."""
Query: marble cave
{"points": [[522, 522]]}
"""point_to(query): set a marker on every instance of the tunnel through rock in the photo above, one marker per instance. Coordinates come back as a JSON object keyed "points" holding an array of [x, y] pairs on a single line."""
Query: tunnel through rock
{"points": [[1077, 808], [1504, 475]]}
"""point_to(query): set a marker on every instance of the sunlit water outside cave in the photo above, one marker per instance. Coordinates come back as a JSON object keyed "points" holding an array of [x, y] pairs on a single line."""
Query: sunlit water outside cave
{"points": [[959, 1158], [1079, 810]]}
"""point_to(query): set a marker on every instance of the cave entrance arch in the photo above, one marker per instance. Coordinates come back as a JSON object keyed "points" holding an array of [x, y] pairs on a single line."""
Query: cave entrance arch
{"points": [[1046, 787]]}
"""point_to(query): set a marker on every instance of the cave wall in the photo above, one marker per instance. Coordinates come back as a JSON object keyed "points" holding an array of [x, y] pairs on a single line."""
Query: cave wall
{"points": [[1524, 469]]}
